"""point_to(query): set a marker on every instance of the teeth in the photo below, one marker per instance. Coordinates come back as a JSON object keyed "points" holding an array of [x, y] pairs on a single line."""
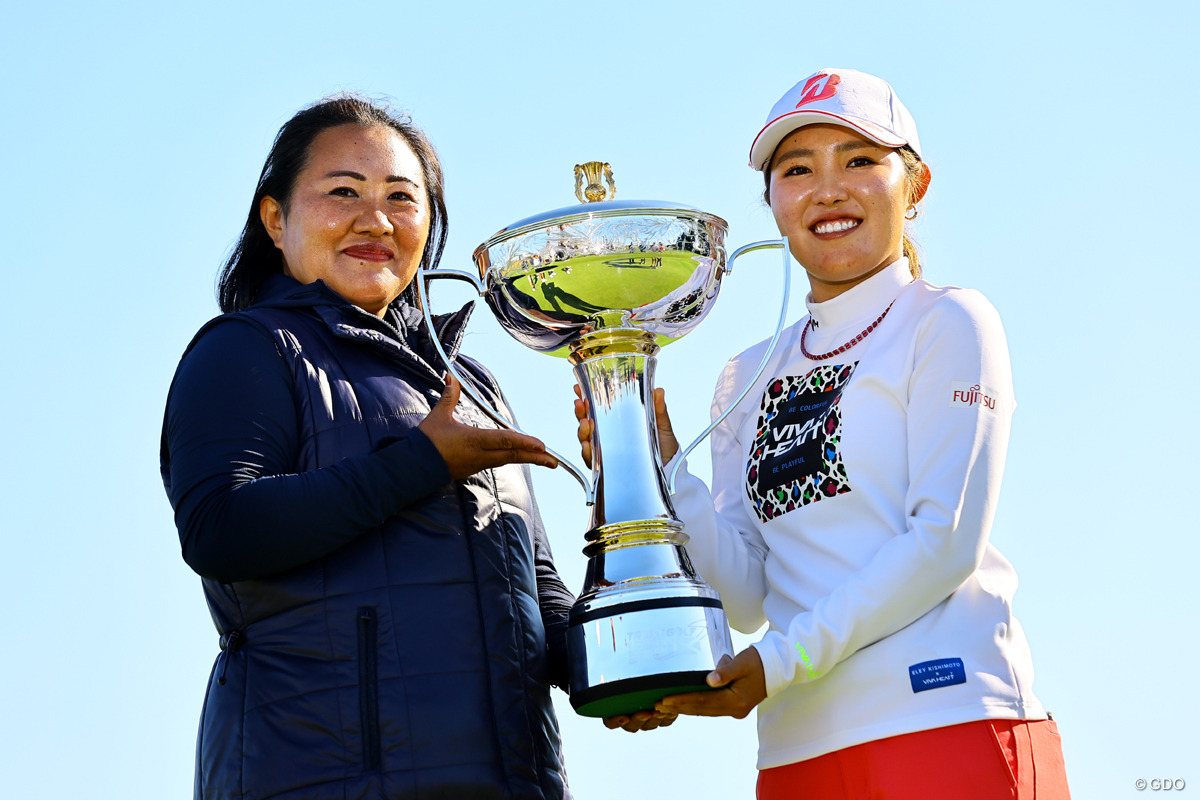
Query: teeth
{"points": [[834, 227]]}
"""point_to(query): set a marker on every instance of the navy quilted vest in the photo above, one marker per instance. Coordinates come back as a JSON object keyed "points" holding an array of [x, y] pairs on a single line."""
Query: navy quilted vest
{"points": [[410, 663]]}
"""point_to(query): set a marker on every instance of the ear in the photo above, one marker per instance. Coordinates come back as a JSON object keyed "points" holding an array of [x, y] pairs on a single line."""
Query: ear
{"points": [[922, 182], [271, 214]]}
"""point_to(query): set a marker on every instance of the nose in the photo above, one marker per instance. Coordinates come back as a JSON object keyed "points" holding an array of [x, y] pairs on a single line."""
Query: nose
{"points": [[374, 221], [830, 189]]}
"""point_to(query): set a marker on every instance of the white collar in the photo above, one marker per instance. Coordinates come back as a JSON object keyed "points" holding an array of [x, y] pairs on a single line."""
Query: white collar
{"points": [[862, 302]]}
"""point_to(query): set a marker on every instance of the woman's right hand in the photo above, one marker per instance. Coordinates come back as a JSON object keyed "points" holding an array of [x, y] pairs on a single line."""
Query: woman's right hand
{"points": [[586, 426], [668, 445], [467, 449]]}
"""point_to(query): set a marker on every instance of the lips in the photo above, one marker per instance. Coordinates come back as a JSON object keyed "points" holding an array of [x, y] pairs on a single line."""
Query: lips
{"points": [[834, 226], [369, 252]]}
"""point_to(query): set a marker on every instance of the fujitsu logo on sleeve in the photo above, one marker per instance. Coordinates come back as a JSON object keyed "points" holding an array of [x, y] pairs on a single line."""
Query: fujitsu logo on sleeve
{"points": [[968, 395], [819, 87]]}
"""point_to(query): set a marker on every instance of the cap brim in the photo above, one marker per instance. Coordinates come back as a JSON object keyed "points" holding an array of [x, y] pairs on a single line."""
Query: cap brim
{"points": [[778, 129]]}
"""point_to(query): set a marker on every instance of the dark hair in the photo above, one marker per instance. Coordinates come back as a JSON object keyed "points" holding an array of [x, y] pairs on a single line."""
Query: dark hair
{"points": [[914, 174], [255, 256]]}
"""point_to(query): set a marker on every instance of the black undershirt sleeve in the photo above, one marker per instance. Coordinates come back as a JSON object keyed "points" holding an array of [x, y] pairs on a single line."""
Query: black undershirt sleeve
{"points": [[231, 434]]}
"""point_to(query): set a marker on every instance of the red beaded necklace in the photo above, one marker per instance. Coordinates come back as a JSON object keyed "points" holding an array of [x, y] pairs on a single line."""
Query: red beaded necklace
{"points": [[847, 345]]}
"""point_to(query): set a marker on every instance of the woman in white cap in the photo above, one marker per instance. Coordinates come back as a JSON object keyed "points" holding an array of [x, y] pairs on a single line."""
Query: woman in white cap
{"points": [[854, 489]]}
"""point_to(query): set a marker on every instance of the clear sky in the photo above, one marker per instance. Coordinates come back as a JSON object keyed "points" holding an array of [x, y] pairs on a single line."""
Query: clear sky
{"points": [[1064, 180]]}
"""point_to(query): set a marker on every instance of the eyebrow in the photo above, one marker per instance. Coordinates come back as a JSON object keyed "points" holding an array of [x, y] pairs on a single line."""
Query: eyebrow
{"points": [[841, 148], [358, 176]]}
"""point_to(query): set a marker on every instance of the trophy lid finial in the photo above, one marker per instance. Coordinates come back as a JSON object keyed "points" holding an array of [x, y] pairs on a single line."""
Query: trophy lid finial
{"points": [[594, 192]]}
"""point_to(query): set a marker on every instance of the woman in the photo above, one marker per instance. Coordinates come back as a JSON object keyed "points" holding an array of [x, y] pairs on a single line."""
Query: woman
{"points": [[390, 617], [854, 489]]}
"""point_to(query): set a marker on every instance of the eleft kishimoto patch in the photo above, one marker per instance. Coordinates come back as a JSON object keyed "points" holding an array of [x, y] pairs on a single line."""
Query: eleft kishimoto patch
{"points": [[796, 456]]}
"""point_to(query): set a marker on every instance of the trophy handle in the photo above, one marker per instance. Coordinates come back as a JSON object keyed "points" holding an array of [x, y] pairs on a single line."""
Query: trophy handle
{"points": [[770, 244], [421, 277]]}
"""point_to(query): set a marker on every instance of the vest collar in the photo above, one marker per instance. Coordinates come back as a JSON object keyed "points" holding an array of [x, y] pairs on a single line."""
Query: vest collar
{"points": [[402, 324]]}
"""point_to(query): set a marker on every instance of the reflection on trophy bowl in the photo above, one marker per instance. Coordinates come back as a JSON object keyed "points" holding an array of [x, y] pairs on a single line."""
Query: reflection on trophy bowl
{"points": [[646, 265], [608, 284]]}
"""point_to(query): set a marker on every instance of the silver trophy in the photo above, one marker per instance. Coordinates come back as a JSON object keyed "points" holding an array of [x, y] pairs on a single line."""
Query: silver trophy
{"points": [[606, 285]]}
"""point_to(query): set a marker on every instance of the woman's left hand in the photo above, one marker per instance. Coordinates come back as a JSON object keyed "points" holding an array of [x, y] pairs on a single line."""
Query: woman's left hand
{"points": [[742, 685], [640, 721]]}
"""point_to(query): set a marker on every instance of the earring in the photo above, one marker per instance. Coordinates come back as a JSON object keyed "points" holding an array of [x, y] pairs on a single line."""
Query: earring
{"points": [[911, 213]]}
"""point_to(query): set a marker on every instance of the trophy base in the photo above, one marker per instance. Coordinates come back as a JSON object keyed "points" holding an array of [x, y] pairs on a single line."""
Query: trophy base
{"points": [[636, 694], [626, 650]]}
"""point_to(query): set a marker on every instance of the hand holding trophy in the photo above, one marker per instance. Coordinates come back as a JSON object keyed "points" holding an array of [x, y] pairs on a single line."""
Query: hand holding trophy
{"points": [[606, 285]]}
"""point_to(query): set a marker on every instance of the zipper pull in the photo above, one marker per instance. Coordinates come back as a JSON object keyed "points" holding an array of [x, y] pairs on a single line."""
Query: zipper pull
{"points": [[229, 643]]}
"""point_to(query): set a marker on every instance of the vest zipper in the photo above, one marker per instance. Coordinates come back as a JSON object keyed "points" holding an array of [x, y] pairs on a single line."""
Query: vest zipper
{"points": [[368, 685]]}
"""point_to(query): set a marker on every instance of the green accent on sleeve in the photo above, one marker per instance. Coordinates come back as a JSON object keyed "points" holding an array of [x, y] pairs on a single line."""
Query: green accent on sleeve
{"points": [[809, 669]]}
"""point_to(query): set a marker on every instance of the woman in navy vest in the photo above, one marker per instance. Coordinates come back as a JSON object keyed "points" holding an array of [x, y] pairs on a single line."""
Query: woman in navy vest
{"points": [[389, 614]]}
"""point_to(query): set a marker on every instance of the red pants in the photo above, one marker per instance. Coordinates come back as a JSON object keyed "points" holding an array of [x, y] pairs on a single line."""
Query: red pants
{"points": [[992, 759]]}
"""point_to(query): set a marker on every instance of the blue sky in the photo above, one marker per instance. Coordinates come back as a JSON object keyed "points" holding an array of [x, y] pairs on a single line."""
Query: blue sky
{"points": [[1064, 183]]}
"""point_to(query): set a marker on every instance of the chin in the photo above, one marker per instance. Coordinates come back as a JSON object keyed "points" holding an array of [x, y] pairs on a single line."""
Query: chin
{"points": [[373, 296]]}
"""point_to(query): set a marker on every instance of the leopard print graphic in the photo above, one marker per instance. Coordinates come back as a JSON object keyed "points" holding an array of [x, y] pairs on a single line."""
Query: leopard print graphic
{"points": [[794, 459]]}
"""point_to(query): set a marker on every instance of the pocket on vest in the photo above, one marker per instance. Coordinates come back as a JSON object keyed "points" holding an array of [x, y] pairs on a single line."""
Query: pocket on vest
{"points": [[368, 685]]}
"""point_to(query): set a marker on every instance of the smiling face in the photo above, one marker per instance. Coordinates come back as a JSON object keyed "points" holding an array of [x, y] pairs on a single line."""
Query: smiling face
{"points": [[840, 199], [358, 216]]}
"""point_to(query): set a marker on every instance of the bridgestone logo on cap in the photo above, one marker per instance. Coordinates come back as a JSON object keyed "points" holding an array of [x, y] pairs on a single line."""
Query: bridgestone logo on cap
{"points": [[819, 87]]}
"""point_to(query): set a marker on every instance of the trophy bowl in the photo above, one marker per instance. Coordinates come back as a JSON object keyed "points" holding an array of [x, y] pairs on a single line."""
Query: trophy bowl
{"points": [[606, 285], [647, 265]]}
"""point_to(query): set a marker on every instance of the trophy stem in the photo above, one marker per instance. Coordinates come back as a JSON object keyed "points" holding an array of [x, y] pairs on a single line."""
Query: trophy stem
{"points": [[645, 625], [615, 369]]}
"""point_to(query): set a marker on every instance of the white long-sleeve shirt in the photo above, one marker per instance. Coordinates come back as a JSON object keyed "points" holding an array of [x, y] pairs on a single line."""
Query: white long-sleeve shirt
{"points": [[852, 502]]}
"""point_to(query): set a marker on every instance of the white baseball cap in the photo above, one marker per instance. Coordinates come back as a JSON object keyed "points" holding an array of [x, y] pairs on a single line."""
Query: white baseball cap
{"points": [[843, 97]]}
